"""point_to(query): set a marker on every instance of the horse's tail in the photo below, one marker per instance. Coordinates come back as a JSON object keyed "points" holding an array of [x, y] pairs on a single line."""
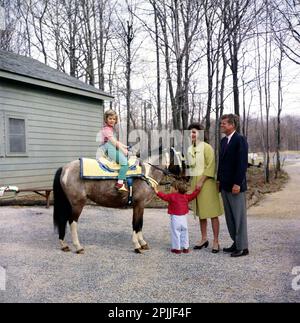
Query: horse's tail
{"points": [[62, 207]]}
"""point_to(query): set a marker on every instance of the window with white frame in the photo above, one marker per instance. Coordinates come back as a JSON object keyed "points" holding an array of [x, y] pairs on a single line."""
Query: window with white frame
{"points": [[16, 144]]}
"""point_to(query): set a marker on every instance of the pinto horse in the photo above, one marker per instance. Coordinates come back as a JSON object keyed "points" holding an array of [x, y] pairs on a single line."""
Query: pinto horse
{"points": [[71, 194]]}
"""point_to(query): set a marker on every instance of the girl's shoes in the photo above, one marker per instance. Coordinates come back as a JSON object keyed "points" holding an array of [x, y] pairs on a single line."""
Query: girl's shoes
{"points": [[121, 187], [176, 251], [205, 244]]}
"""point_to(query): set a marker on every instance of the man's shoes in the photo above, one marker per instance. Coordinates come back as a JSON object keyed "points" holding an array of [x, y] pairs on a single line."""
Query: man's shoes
{"points": [[230, 249], [186, 250], [176, 251], [205, 245], [239, 253], [121, 187]]}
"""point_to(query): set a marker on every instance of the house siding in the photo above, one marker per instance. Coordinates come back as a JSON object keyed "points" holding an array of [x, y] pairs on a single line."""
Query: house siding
{"points": [[60, 128]]}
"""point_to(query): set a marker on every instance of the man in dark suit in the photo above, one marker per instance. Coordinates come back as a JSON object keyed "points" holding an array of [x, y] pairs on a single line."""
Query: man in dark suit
{"points": [[233, 162]]}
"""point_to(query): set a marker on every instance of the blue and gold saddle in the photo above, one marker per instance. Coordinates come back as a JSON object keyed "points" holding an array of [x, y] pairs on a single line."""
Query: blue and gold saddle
{"points": [[104, 168]]}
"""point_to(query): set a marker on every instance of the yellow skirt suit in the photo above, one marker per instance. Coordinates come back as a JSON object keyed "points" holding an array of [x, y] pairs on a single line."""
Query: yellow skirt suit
{"points": [[208, 203]]}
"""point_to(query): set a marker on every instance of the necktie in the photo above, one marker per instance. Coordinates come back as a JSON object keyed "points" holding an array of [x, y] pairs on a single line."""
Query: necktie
{"points": [[225, 145]]}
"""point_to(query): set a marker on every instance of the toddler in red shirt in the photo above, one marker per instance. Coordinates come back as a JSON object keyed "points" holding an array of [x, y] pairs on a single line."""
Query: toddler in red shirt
{"points": [[178, 209]]}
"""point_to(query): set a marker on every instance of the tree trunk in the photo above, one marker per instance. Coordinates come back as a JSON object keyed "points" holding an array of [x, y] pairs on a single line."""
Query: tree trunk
{"points": [[235, 80], [158, 82], [129, 40], [279, 109]]}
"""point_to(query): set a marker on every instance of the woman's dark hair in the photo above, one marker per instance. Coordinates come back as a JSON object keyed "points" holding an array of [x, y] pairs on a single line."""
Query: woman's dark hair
{"points": [[198, 126], [195, 125]]}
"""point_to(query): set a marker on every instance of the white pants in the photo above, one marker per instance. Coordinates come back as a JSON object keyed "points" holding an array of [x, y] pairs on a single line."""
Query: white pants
{"points": [[179, 232]]}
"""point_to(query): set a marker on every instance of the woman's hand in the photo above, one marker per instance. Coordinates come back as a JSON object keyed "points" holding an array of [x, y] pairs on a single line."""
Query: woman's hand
{"points": [[198, 186], [201, 181]]}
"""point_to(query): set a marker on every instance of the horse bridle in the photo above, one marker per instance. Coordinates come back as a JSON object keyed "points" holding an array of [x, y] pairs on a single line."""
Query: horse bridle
{"points": [[165, 172], [151, 181]]}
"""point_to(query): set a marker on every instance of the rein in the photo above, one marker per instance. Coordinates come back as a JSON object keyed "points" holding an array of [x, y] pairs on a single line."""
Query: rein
{"points": [[151, 181], [165, 172]]}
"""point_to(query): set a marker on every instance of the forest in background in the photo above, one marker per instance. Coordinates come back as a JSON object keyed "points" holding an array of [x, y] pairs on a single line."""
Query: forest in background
{"points": [[171, 62]]}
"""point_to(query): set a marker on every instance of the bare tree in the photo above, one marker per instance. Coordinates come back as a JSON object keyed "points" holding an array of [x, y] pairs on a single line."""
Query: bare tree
{"points": [[288, 13], [221, 69], [215, 47], [12, 31], [102, 13], [25, 14], [210, 22], [157, 49], [258, 65], [126, 32], [179, 22], [88, 39], [38, 11], [268, 56], [238, 20], [279, 110]]}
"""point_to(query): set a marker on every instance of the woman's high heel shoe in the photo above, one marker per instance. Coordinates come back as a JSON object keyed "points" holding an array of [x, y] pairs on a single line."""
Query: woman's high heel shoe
{"points": [[205, 245], [215, 250]]}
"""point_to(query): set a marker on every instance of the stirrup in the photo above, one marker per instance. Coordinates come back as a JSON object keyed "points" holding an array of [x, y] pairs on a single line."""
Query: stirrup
{"points": [[121, 188]]}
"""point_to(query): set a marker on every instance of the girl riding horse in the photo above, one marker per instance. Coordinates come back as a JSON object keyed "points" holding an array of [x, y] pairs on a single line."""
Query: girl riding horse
{"points": [[114, 148]]}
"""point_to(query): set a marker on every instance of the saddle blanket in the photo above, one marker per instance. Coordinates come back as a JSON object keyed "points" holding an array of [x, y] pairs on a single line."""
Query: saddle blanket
{"points": [[106, 169]]}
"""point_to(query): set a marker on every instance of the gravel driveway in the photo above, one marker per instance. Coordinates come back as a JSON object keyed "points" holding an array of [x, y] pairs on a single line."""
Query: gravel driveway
{"points": [[109, 271]]}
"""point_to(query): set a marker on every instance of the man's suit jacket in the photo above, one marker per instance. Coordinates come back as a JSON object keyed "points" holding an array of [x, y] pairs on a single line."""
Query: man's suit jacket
{"points": [[233, 163]]}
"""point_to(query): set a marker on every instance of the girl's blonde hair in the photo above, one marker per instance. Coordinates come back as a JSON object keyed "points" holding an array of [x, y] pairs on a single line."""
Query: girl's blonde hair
{"points": [[110, 113]]}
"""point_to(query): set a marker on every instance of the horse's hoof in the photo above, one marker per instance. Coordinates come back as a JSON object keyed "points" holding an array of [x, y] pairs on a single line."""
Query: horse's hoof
{"points": [[80, 251], [65, 249], [145, 247], [138, 250]]}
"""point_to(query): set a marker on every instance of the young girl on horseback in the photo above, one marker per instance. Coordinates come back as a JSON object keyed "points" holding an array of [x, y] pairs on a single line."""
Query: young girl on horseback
{"points": [[114, 148]]}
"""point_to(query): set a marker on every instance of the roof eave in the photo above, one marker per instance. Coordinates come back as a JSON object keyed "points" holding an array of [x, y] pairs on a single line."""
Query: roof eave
{"points": [[54, 86]]}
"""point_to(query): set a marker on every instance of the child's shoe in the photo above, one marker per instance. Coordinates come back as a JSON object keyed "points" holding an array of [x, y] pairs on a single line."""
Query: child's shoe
{"points": [[186, 250], [121, 187], [176, 251]]}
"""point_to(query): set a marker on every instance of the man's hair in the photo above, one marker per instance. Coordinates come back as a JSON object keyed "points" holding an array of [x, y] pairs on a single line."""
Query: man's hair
{"points": [[110, 113], [233, 119], [180, 186]]}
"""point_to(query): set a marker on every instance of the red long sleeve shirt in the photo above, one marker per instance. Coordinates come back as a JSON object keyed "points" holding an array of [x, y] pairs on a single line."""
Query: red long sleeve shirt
{"points": [[178, 203]]}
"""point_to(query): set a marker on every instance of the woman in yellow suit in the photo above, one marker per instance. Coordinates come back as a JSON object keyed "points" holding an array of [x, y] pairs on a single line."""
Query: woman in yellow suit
{"points": [[208, 204]]}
